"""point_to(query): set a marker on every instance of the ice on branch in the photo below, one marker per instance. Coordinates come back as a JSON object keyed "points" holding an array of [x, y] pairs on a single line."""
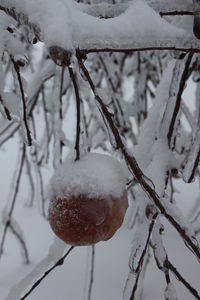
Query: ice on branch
{"points": [[55, 252], [151, 127], [170, 292]]}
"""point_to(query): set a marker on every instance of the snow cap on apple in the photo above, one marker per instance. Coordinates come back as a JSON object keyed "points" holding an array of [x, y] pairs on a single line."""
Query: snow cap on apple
{"points": [[88, 199]]}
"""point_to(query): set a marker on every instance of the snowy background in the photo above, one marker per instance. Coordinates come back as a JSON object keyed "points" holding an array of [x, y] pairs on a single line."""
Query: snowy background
{"points": [[70, 281]]}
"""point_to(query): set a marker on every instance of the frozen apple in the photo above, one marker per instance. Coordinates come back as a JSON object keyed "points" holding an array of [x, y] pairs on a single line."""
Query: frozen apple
{"points": [[88, 199]]}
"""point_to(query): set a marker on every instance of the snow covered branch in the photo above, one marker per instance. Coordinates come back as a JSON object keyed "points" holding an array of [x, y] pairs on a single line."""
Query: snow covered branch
{"points": [[46, 273], [106, 34], [6, 110], [178, 97], [137, 172], [108, 10], [54, 259], [17, 70], [7, 216]]}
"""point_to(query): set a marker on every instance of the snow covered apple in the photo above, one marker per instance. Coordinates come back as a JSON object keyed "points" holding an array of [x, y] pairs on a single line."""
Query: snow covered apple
{"points": [[88, 199]]}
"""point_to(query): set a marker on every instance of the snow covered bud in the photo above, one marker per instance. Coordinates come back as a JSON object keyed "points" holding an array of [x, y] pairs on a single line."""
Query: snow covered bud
{"points": [[196, 24], [88, 199], [60, 56]]}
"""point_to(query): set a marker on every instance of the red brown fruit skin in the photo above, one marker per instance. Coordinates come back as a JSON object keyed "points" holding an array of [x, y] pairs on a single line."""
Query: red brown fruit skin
{"points": [[81, 221]]}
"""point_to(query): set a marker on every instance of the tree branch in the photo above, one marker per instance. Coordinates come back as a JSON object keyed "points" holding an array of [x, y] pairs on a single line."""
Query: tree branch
{"points": [[6, 110], [129, 49], [132, 163], [192, 290], [141, 260], [16, 67], [179, 97], [58, 263], [16, 190], [21, 241], [91, 273], [78, 117]]}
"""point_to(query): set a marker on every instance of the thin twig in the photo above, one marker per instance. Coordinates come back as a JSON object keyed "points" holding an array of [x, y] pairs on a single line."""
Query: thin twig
{"points": [[28, 133], [16, 190], [31, 181], [91, 273], [30, 108], [159, 251], [115, 98], [61, 107], [78, 113], [37, 164], [6, 128], [21, 241], [86, 128], [41, 191], [58, 263], [179, 97], [192, 290], [6, 110], [130, 50], [195, 166], [61, 90], [147, 243], [10, 134], [14, 126], [46, 125], [132, 282], [177, 13], [141, 260]]}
